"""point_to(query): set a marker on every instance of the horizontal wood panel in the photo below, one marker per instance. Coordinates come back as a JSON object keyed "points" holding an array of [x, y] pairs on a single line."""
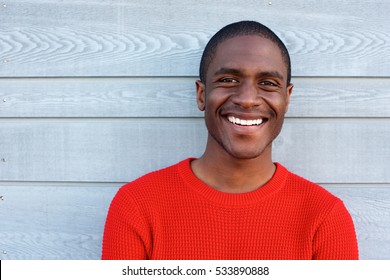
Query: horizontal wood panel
{"points": [[52, 221], [113, 150], [336, 150], [118, 150], [175, 97], [127, 38]]}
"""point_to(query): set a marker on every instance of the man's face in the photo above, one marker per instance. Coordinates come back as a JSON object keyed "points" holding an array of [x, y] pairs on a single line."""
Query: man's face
{"points": [[245, 97]]}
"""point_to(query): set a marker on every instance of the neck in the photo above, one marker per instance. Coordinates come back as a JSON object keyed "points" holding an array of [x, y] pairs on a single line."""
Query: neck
{"points": [[231, 175]]}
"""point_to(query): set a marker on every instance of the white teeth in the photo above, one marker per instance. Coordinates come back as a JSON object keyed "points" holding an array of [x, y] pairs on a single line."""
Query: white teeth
{"points": [[244, 122]]}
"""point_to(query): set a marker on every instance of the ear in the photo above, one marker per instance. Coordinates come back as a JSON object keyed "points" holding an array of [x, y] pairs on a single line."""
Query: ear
{"points": [[200, 95], [288, 95]]}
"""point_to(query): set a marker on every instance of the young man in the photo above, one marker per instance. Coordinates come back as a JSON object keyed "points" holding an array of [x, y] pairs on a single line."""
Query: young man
{"points": [[233, 202]]}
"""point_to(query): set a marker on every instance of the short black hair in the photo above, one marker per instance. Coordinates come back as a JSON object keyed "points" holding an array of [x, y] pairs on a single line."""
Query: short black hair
{"points": [[241, 28]]}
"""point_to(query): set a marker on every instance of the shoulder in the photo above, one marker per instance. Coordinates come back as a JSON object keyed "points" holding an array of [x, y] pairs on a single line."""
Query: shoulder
{"points": [[315, 201], [310, 193], [306, 186], [155, 183]]}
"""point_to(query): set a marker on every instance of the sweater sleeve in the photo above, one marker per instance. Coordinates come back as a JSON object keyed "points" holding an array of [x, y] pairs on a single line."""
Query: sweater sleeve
{"points": [[335, 239], [126, 235]]}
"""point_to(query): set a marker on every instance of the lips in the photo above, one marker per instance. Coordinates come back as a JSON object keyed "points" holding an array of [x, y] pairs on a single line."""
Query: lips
{"points": [[246, 122]]}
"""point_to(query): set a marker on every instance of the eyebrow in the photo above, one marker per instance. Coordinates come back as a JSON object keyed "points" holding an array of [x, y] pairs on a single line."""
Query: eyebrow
{"points": [[235, 71], [224, 70]]}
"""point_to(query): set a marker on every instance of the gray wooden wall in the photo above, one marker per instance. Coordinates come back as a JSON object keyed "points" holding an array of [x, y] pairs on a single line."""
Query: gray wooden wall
{"points": [[95, 93]]}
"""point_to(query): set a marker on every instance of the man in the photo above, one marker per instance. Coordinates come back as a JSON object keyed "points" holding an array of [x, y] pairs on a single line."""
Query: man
{"points": [[233, 202]]}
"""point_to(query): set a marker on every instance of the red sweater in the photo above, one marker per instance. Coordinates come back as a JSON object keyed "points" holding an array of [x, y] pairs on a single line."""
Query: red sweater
{"points": [[170, 214]]}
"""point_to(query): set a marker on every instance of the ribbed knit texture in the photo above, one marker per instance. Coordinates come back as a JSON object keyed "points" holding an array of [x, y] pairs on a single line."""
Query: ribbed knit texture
{"points": [[171, 214]]}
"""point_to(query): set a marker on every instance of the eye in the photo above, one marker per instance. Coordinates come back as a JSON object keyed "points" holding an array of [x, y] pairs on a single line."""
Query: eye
{"points": [[228, 80], [268, 83]]}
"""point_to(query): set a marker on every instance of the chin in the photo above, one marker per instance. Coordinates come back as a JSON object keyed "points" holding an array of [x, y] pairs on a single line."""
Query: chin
{"points": [[241, 155], [249, 152]]}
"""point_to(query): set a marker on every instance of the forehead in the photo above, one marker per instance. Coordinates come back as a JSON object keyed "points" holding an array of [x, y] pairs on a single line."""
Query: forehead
{"points": [[248, 52]]}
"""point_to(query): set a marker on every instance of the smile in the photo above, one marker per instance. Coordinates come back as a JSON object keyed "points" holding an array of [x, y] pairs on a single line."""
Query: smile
{"points": [[238, 121]]}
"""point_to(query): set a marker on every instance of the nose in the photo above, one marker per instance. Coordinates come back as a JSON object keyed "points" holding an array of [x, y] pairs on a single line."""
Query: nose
{"points": [[247, 95]]}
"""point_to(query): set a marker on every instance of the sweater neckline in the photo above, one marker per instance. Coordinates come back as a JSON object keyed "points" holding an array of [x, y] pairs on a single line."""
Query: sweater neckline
{"points": [[276, 183]]}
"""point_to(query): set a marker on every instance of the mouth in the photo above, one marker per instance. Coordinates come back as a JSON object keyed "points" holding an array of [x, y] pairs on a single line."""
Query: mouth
{"points": [[247, 122]]}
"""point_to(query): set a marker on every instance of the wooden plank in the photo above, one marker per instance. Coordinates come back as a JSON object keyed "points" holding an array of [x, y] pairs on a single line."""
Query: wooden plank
{"points": [[175, 97], [119, 97], [336, 150], [65, 221], [343, 97], [53, 221], [118, 150], [127, 38], [87, 149]]}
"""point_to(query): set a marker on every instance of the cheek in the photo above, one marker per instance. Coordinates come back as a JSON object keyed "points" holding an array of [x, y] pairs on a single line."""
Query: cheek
{"points": [[278, 104], [214, 100]]}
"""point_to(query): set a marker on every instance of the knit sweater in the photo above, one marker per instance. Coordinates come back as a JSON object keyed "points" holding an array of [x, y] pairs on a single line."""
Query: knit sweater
{"points": [[171, 214]]}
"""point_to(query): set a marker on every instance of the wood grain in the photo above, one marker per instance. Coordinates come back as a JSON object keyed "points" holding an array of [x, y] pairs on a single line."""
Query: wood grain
{"points": [[89, 38], [175, 97]]}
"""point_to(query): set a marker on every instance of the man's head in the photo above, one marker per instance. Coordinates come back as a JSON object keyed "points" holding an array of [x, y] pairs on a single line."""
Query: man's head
{"points": [[245, 90], [237, 29]]}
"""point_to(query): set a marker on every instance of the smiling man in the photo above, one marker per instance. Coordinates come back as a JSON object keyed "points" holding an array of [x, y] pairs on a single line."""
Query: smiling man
{"points": [[233, 202]]}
